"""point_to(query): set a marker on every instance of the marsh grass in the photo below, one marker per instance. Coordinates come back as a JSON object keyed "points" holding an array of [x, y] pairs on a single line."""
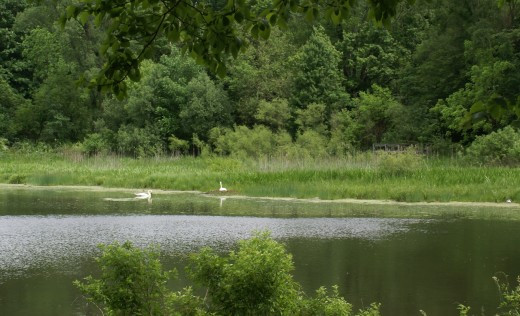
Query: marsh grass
{"points": [[361, 176]]}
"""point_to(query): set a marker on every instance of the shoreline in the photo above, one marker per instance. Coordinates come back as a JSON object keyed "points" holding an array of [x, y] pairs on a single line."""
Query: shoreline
{"points": [[245, 197]]}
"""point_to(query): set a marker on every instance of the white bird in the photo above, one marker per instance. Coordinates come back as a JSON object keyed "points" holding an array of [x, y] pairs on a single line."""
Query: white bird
{"points": [[144, 195], [508, 201], [222, 189]]}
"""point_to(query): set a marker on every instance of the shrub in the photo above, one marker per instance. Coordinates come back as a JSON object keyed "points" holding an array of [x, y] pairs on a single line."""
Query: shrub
{"points": [[399, 162], [498, 148], [3, 145], [326, 305], [138, 142], [93, 144], [509, 297], [178, 146], [274, 114], [132, 281], [245, 142], [255, 280], [313, 144]]}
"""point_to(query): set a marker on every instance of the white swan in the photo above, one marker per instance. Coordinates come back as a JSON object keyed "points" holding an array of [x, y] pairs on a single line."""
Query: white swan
{"points": [[508, 201], [144, 195], [222, 189]]}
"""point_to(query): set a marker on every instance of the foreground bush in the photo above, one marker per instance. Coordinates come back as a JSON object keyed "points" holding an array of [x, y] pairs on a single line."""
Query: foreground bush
{"points": [[132, 281], [254, 280]]}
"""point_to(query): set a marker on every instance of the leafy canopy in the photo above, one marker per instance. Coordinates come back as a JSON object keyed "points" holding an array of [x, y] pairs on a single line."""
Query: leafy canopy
{"points": [[209, 31]]}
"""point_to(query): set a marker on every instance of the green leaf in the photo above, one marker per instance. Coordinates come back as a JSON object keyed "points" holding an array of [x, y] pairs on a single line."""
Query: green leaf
{"points": [[173, 35], [266, 32], [99, 18], [71, 11], [134, 74], [221, 70], [83, 17], [254, 31], [309, 15]]}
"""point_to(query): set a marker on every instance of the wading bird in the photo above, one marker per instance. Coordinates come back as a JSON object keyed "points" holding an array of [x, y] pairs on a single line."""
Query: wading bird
{"points": [[222, 189]]}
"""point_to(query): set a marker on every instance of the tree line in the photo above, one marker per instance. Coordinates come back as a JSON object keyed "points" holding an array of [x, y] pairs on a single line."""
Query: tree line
{"points": [[316, 89]]}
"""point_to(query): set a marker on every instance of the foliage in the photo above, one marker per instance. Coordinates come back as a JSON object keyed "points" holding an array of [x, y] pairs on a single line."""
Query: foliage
{"points": [[132, 281], [372, 310], [509, 297], [245, 142], [94, 144], [441, 73], [378, 117], [313, 117], [317, 76], [312, 144], [326, 305], [399, 162], [138, 142], [254, 280], [370, 55], [212, 33], [463, 310], [274, 114], [498, 148], [177, 146]]}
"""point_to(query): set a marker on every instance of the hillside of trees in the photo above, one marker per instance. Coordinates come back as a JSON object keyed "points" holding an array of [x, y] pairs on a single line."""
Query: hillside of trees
{"points": [[317, 88]]}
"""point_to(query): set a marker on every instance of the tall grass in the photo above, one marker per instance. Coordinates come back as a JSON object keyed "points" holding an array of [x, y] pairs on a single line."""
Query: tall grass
{"points": [[363, 176]]}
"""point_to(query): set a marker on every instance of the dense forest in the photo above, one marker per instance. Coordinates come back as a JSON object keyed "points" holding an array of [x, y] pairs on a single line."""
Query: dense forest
{"points": [[315, 89]]}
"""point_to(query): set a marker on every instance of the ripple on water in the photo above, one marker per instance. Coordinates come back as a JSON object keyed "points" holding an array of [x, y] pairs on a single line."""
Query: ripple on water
{"points": [[33, 242]]}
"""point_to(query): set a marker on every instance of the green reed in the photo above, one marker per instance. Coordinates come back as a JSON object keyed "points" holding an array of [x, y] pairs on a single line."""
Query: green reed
{"points": [[361, 176]]}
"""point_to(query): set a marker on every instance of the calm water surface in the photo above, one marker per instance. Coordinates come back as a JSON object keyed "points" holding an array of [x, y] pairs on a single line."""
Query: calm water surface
{"points": [[48, 239]]}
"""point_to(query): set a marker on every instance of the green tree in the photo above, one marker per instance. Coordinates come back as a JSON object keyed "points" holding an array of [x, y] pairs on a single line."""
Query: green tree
{"points": [[208, 106], [211, 34], [370, 55], [378, 117], [317, 78], [260, 74], [314, 118], [11, 62], [275, 114], [9, 102]]}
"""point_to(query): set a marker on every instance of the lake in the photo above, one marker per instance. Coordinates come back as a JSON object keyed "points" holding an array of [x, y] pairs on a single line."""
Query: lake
{"points": [[48, 238]]}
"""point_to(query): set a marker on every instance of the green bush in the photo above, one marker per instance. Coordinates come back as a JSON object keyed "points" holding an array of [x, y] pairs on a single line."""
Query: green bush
{"points": [[132, 281], [178, 146], [138, 142], [3, 145], [255, 279], [94, 144], [246, 142], [326, 305], [509, 297], [399, 162], [313, 144], [498, 148]]}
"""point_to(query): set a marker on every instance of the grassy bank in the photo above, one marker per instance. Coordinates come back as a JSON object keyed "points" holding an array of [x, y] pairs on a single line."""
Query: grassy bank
{"points": [[362, 177]]}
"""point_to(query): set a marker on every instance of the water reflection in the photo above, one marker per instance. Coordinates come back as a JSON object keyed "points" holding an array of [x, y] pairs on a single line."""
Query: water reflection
{"points": [[31, 242]]}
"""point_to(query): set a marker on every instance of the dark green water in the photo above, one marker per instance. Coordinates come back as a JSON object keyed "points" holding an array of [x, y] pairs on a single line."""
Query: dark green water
{"points": [[48, 239]]}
